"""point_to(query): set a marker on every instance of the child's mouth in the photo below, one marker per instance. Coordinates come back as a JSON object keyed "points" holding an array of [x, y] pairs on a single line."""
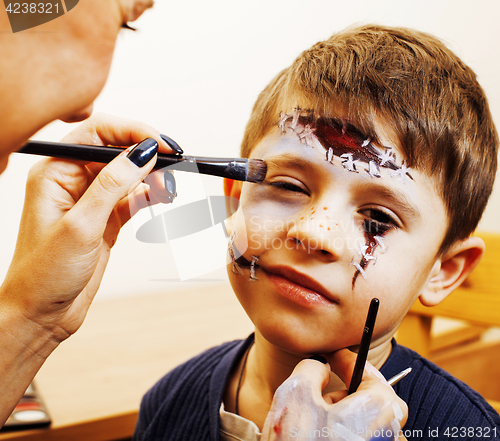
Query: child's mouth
{"points": [[298, 288]]}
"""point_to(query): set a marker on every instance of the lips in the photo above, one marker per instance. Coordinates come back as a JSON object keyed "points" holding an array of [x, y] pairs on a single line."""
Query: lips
{"points": [[299, 287]]}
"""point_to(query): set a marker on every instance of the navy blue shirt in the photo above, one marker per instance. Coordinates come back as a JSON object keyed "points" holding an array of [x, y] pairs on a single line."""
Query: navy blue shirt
{"points": [[184, 405]]}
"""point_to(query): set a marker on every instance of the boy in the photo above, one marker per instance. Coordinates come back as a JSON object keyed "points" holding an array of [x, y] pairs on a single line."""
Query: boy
{"points": [[381, 156]]}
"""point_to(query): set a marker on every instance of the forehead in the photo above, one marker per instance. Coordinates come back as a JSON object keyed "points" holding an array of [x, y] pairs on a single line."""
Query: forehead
{"points": [[338, 137]]}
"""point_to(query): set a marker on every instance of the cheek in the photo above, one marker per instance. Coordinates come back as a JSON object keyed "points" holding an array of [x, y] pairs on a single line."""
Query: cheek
{"points": [[264, 223], [397, 282]]}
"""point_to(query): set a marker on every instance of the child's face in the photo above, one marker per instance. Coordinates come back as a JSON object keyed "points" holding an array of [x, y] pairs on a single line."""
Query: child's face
{"points": [[309, 224]]}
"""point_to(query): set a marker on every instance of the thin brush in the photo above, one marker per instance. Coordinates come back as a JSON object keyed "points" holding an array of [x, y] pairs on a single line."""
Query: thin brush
{"points": [[398, 377], [240, 169], [364, 346]]}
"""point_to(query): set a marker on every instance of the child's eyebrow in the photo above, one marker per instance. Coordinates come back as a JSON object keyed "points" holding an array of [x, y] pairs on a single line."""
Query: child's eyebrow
{"points": [[287, 161], [397, 198]]}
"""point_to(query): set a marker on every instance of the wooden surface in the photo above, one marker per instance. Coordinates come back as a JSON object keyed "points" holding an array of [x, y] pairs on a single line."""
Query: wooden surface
{"points": [[476, 364], [93, 383]]}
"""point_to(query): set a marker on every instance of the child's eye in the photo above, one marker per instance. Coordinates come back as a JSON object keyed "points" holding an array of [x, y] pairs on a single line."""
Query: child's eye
{"points": [[288, 186], [378, 222]]}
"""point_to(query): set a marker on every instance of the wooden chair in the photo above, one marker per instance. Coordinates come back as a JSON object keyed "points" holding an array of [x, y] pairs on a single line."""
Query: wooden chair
{"points": [[464, 351]]}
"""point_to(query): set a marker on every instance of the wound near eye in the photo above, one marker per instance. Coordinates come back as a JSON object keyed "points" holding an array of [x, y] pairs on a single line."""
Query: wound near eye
{"points": [[374, 232]]}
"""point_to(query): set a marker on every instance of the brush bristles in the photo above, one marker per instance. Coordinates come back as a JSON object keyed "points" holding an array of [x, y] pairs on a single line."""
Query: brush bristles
{"points": [[257, 170]]}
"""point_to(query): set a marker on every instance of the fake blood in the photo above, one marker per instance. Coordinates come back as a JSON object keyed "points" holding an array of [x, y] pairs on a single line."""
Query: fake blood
{"points": [[277, 427], [370, 243], [342, 137]]}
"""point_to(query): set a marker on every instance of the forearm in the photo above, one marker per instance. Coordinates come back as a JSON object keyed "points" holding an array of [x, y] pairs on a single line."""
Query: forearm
{"points": [[24, 347]]}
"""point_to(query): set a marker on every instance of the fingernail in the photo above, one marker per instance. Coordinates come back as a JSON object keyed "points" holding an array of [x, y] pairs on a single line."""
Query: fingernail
{"points": [[143, 152], [172, 144], [319, 358], [170, 185]]}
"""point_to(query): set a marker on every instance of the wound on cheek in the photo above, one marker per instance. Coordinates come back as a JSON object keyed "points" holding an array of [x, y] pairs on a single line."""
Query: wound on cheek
{"points": [[372, 240]]}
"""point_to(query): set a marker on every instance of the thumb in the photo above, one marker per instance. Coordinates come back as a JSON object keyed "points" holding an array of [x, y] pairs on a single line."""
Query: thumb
{"points": [[316, 374], [301, 391], [116, 180], [309, 377]]}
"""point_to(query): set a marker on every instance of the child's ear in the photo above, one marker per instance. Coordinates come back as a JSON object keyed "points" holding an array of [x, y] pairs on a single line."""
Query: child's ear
{"points": [[232, 191], [451, 269]]}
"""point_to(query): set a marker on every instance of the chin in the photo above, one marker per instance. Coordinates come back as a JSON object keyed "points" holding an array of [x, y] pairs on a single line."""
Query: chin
{"points": [[4, 161], [79, 116], [299, 340]]}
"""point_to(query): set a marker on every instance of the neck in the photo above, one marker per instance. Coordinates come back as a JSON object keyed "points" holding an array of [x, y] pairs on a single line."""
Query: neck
{"points": [[270, 366], [267, 367]]}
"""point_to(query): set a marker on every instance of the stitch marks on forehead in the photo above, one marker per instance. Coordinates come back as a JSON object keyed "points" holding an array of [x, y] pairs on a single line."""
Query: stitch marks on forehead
{"points": [[342, 140]]}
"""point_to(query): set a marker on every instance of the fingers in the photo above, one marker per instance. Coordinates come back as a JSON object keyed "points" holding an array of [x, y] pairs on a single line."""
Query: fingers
{"points": [[162, 186], [299, 405], [114, 182], [161, 189], [392, 411], [312, 375], [342, 363], [316, 371], [109, 130], [297, 397]]}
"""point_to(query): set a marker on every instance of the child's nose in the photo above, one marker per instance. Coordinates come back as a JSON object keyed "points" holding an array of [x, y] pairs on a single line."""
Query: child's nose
{"points": [[318, 235]]}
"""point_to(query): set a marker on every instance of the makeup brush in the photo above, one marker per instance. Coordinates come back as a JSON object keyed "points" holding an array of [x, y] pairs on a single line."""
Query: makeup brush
{"points": [[364, 346], [240, 169]]}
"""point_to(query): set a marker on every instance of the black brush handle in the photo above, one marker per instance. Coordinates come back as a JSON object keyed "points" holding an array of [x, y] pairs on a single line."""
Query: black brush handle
{"points": [[233, 168], [364, 347]]}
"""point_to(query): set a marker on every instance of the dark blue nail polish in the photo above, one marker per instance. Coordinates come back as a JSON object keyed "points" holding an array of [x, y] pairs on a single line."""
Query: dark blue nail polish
{"points": [[319, 358], [170, 185], [143, 152], [172, 144]]}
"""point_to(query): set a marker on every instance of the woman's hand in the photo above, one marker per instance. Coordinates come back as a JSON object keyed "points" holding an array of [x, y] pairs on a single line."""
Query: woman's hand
{"points": [[72, 215], [299, 408]]}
